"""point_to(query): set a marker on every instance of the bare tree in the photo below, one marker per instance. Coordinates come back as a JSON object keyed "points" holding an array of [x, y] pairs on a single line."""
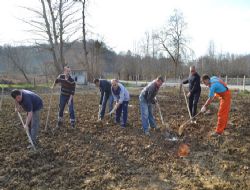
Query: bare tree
{"points": [[172, 38], [18, 59], [56, 23]]}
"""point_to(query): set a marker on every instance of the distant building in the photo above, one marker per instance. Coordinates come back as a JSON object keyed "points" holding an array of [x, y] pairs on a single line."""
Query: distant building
{"points": [[80, 76]]}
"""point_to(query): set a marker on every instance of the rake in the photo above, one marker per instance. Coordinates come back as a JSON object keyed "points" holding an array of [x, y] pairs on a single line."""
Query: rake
{"points": [[27, 132]]}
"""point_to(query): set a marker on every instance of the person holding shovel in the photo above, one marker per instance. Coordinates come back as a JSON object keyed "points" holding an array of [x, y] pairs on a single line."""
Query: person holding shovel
{"points": [[147, 98], [218, 89], [106, 95], [32, 104], [121, 97], [194, 91], [68, 86]]}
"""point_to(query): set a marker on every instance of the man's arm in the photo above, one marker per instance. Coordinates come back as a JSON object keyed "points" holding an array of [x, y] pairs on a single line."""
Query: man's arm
{"points": [[185, 81], [151, 93], [28, 119]]}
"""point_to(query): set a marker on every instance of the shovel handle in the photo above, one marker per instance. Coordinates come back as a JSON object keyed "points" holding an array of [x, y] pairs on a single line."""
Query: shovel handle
{"points": [[192, 118], [186, 102], [47, 119], [27, 132]]}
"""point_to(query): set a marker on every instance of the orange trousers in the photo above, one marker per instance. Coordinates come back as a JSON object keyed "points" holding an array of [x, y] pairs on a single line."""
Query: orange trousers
{"points": [[223, 112]]}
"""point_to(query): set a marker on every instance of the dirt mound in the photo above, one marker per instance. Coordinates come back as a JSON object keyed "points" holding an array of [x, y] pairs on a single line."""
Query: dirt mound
{"points": [[105, 156]]}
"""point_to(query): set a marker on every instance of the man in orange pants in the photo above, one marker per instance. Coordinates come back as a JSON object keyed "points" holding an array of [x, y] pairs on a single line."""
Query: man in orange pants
{"points": [[218, 88]]}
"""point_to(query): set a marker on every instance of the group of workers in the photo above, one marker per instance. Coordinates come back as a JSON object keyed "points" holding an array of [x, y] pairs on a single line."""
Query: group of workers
{"points": [[117, 96]]}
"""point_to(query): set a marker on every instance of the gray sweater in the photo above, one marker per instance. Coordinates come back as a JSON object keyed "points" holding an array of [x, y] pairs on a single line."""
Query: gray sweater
{"points": [[149, 92]]}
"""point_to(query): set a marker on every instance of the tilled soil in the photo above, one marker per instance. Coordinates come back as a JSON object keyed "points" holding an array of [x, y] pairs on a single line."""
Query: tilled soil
{"points": [[106, 156]]}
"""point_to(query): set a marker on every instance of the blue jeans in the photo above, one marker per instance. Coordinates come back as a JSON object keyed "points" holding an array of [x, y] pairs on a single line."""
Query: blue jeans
{"points": [[106, 97], [63, 101], [146, 114], [122, 109]]}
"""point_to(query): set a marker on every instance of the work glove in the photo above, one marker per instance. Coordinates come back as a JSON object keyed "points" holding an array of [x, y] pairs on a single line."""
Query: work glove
{"points": [[203, 109]]}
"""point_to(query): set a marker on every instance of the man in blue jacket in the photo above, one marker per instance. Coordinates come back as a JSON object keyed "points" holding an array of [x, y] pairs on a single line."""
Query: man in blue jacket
{"points": [[121, 97], [106, 95], [147, 98], [194, 90], [32, 104]]}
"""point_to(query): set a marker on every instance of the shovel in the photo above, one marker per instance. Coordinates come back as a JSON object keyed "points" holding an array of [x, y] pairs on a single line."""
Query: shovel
{"points": [[181, 128], [168, 135], [27, 132], [47, 119], [186, 102], [50, 99]]}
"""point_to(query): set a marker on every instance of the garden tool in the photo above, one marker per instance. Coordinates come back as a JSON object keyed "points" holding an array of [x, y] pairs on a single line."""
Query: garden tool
{"points": [[181, 128], [168, 135], [27, 131], [186, 102], [50, 99]]}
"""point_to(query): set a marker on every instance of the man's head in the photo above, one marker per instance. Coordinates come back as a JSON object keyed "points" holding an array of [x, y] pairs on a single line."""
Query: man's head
{"points": [[66, 70], [159, 81], [114, 83], [206, 79], [192, 70], [97, 82], [17, 95]]}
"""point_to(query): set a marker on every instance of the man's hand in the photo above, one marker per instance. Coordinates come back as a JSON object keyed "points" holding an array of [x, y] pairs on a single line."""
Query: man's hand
{"points": [[203, 109], [26, 127], [112, 111]]}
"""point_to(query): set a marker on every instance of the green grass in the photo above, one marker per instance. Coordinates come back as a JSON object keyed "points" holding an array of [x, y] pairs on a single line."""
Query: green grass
{"points": [[24, 86]]}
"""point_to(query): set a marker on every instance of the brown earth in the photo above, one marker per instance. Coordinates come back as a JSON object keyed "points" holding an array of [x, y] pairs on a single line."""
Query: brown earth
{"points": [[105, 156]]}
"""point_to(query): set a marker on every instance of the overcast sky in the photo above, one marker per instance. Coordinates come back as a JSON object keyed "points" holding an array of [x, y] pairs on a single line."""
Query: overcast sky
{"points": [[121, 23]]}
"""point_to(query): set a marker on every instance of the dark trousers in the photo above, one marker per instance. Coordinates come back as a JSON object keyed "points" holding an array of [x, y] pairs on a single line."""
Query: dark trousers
{"points": [[122, 109], [193, 101], [106, 97]]}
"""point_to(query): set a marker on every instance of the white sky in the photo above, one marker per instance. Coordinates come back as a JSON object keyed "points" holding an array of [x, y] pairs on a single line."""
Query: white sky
{"points": [[121, 23]]}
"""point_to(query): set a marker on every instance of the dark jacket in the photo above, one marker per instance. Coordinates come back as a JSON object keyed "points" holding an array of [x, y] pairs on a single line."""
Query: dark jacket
{"points": [[67, 86], [194, 82], [105, 87], [149, 92], [31, 102]]}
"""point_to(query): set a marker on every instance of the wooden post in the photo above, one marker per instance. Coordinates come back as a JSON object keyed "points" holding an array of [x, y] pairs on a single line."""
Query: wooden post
{"points": [[237, 80], [244, 83], [1, 102], [226, 79]]}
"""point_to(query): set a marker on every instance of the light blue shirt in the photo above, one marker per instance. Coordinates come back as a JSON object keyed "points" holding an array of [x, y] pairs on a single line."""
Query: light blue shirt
{"points": [[121, 94], [216, 86]]}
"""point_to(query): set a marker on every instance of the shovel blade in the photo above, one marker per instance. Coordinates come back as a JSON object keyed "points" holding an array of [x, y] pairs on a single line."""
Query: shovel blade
{"points": [[181, 129]]}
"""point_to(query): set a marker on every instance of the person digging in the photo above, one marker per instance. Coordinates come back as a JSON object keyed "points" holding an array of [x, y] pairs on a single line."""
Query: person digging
{"points": [[121, 97], [32, 104], [106, 95], [147, 99], [218, 89]]}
